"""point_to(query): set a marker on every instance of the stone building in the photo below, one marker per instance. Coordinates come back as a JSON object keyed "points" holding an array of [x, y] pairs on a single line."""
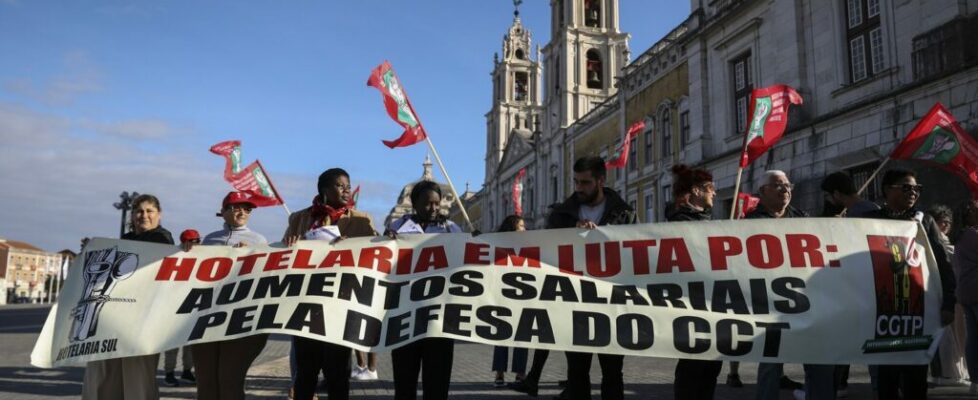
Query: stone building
{"points": [[403, 205], [24, 269]]}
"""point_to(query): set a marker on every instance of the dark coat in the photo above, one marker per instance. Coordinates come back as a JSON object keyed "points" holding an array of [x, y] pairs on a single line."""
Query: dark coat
{"points": [[684, 213], [616, 212], [158, 235], [761, 212]]}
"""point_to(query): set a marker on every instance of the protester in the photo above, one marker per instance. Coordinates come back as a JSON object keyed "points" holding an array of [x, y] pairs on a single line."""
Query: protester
{"points": [[188, 239], [329, 218], [733, 375], [433, 356], [693, 194], [130, 377], [947, 367], [366, 369], [901, 192], [500, 354], [592, 205], [966, 273], [840, 191], [775, 202], [222, 366]]}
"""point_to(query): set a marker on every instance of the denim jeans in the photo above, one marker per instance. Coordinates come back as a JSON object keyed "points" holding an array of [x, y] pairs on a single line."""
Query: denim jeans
{"points": [[500, 357], [971, 341], [819, 381]]}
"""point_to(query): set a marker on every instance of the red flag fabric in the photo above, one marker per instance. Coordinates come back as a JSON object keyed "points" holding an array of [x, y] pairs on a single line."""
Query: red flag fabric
{"points": [[767, 119], [252, 180], [745, 204], [398, 106], [352, 203], [938, 139], [518, 192], [621, 158]]}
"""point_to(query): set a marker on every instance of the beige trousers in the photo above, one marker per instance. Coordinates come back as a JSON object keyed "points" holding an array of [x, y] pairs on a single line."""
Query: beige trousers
{"points": [[128, 378]]}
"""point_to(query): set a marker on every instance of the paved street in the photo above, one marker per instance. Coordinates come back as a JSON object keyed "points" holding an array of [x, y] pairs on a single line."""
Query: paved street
{"points": [[645, 378]]}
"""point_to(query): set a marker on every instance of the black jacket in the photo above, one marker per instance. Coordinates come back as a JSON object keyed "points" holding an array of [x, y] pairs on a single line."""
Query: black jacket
{"points": [[616, 212], [158, 235], [684, 213], [938, 245], [761, 212]]}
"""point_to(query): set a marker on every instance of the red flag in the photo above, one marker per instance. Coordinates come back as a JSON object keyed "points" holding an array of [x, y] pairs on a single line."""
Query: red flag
{"points": [[767, 118], [938, 139], [745, 204], [621, 158], [251, 180], [518, 192], [352, 203], [398, 106]]}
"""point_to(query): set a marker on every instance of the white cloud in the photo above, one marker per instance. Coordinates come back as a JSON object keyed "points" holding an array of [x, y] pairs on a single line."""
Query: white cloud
{"points": [[142, 129], [79, 76]]}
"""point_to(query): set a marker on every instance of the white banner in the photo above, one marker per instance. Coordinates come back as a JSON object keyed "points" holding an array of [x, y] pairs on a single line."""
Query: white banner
{"points": [[823, 291]]}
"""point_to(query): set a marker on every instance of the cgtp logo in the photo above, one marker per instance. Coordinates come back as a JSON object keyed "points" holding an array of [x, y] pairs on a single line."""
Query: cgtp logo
{"points": [[102, 272], [899, 278]]}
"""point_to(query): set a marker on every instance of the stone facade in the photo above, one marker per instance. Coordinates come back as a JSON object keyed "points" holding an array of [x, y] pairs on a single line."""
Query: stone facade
{"points": [[403, 205]]}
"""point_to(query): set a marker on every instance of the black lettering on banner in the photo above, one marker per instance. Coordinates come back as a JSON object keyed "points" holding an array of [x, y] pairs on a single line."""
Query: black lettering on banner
{"points": [[697, 295], [727, 295], [454, 319], [307, 315], [207, 321], [359, 322], [197, 299], [589, 293], [422, 316], [468, 282], [266, 319], [622, 294], [582, 333], [558, 286], [797, 301], [396, 326], [518, 290], [498, 328], [683, 339], [660, 293], [759, 297], [772, 336], [278, 285], [635, 331], [428, 287], [392, 296], [320, 283], [240, 316], [534, 322], [727, 329], [350, 285], [228, 295]]}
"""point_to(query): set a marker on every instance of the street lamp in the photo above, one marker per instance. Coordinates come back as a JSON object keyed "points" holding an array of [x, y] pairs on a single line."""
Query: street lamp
{"points": [[124, 205]]}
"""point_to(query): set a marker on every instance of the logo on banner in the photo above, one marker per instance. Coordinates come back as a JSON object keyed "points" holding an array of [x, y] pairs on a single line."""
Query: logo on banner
{"points": [[102, 271], [940, 146], [899, 281]]}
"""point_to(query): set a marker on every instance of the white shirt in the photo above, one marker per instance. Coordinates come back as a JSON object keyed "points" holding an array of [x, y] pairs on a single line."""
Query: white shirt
{"points": [[591, 213]]}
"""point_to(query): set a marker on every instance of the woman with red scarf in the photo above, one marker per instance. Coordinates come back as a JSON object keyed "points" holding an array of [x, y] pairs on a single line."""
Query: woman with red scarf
{"points": [[331, 217]]}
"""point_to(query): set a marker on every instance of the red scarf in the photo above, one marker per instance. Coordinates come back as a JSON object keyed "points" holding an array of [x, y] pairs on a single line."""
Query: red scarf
{"points": [[320, 211]]}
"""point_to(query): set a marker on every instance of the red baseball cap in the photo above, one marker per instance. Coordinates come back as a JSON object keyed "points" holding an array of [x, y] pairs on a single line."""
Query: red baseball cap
{"points": [[237, 198], [188, 235]]}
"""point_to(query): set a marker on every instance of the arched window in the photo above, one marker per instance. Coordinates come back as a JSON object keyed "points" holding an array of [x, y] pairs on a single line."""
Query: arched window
{"points": [[665, 129], [592, 13], [520, 85], [595, 70], [519, 54]]}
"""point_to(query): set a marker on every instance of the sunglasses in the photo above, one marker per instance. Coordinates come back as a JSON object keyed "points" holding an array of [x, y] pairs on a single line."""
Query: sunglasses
{"points": [[907, 188]]}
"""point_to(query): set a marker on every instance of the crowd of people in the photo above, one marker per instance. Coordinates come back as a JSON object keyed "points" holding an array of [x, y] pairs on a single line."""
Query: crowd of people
{"points": [[219, 369]]}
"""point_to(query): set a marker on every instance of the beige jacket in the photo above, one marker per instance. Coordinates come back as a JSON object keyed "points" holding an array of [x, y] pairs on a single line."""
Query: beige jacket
{"points": [[352, 224]]}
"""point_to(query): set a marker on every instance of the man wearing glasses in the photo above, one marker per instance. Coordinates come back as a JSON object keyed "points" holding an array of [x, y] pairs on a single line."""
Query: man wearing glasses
{"points": [[901, 192], [222, 366], [775, 202]]}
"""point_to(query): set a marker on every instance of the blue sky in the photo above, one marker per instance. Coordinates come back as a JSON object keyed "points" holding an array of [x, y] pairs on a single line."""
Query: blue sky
{"points": [[101, 97]]}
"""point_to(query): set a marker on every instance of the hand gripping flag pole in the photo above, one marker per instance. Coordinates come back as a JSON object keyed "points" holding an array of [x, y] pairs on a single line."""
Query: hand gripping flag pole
{"points": [[399, 108]]}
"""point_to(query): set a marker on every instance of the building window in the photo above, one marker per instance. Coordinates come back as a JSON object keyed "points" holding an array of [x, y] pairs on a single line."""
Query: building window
{"points": [[684, 129], [592, 13], [742, 86], [633, 154], [666, 196], [649, 208], [945, 48], [648, 145], [555, 194], [631, 203], [595, 70], [864, 38], [519, 86], [665, 126]]}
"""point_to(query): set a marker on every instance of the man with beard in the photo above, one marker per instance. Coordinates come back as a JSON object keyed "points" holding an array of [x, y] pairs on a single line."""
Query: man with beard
{"points": [[901, 192], [775, 202], [592, 205]]}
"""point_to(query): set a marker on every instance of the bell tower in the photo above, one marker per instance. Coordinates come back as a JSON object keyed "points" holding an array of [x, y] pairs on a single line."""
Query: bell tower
{"points": [[516, 97]]}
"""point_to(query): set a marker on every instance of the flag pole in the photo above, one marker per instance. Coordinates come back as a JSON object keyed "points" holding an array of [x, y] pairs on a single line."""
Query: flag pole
{"points": [[287, 211], [873, 176], [736, 201], [458, 199]]}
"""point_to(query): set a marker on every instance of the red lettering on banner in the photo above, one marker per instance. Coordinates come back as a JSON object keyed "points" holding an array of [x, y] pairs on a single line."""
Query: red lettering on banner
{"points": [[277, 260], [404, 261], [301, 260], [431, 257], [612, 259], [673, 254], [248, 262], [379, 255], [475, 253], [802, 248], [565, 259], [527, 256], [722, 247], [214, 269], [337, 258], [170, 269], [640, 254], [758, 245]]}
